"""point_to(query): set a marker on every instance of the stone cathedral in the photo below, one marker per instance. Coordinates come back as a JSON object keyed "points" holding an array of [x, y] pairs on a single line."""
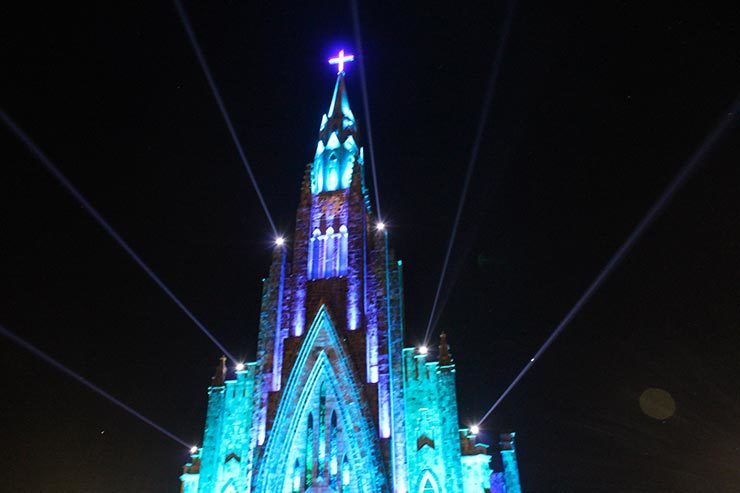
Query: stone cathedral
{"points": [[334, 401]]}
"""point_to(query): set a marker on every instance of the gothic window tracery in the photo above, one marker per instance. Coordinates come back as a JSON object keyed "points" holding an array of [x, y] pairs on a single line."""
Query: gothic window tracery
{"points": [[327, 253]]}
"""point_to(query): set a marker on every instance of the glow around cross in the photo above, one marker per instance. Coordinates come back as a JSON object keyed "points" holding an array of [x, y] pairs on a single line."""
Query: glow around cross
{"points": [[340, 59]]}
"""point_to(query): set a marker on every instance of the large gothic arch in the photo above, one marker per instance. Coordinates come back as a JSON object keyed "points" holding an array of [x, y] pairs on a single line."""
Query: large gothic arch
{"points": [[323, 358]]}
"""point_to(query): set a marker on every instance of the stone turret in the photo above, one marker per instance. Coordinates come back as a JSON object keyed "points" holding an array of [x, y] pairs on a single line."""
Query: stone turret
{"points": [[220, 376]]}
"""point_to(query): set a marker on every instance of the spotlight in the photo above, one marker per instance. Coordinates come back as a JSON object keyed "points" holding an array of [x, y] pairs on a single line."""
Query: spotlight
{"points": [[474, 430], [193, 449], [239, 366], [279, 241], [380, 225], [423, 350]]}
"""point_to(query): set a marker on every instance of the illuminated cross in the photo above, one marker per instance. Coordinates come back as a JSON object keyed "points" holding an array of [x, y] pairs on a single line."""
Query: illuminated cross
{"points": [[340, 59]]}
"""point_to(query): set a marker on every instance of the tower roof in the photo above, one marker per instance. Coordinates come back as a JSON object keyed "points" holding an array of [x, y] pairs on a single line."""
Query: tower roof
{"points": [[339, 118], [220, 376], [339, 106]]}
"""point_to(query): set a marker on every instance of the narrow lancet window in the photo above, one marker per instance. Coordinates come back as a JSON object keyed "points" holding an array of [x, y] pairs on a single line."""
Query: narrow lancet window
{"points": [[330, 252], [345, 472], [322, 429], [322, 257], [342, 257], [297, 476], [309, 451], [314, 255], [333, 465], [327, 253]]}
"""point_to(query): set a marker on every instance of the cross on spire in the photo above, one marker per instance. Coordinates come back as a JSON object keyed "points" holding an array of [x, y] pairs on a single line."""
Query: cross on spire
{"points": [[340, 59]]}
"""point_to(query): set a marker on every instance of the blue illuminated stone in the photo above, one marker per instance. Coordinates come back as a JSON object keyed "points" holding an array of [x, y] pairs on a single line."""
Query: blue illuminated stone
{"points": [[334, 401]]}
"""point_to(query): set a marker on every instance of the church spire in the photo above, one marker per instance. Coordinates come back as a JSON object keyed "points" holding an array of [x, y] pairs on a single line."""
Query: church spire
{"points": [[220, 376], [339, 107], [337, 150], [445, 357], [339, 120]]}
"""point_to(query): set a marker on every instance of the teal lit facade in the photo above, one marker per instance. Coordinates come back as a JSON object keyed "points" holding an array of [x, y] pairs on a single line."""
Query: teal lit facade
{"points": [[334, 402]]}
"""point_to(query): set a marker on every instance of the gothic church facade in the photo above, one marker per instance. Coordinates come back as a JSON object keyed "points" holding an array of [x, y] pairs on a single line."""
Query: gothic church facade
{"points": [[334, 401]]}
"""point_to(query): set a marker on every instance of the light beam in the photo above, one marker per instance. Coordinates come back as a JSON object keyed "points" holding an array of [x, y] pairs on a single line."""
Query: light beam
{"points": [[495, 69], [725, 123], [54, 170], [222, 107], [363, 85], [18, 340]]}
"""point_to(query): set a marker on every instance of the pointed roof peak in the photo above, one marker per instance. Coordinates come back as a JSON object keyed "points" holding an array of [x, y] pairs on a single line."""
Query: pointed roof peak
{"points": [[445, 357], [339, 107], [220, 376], [339, 119]]}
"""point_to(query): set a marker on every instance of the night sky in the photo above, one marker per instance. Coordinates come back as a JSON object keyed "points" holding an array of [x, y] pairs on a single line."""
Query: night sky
{"points": [[597, 106]]}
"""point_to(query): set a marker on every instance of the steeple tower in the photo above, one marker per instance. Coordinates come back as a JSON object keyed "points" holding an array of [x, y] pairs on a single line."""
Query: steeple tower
{"points": [[337, 151], [333, 401]]}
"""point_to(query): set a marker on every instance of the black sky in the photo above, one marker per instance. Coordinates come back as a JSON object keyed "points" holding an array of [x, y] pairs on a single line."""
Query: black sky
{"points": [[597, 106]]}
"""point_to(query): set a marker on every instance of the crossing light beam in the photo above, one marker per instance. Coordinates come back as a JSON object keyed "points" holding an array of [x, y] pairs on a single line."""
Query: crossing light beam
{"points": [[726, 122], [18, 340], [64, 181]]}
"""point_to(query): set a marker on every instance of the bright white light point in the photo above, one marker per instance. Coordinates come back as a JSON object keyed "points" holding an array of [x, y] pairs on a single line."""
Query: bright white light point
{"points": [[532, 359], [279, 241], [193, 449], [380, 225], [239, 366], [474, 430], [423, 350]]}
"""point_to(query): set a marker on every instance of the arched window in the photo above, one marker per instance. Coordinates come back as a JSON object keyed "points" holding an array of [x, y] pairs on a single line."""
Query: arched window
{"points": [[327, 253], [329, 259], [322, 428], [333, 465], [332, 173], [314, 255], [345, 472], [297, 476], [322, 257], [342, 257], [428, 484], [309, 451]]}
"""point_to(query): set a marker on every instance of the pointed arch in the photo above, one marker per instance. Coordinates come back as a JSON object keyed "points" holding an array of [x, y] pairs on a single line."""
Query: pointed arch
{"points": [[342, 248], [428, 483], [229, 487], [322, 427], [296, 483], [329, 255], [323, 358], [314, 254], [346, 473], [333, 461]]}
